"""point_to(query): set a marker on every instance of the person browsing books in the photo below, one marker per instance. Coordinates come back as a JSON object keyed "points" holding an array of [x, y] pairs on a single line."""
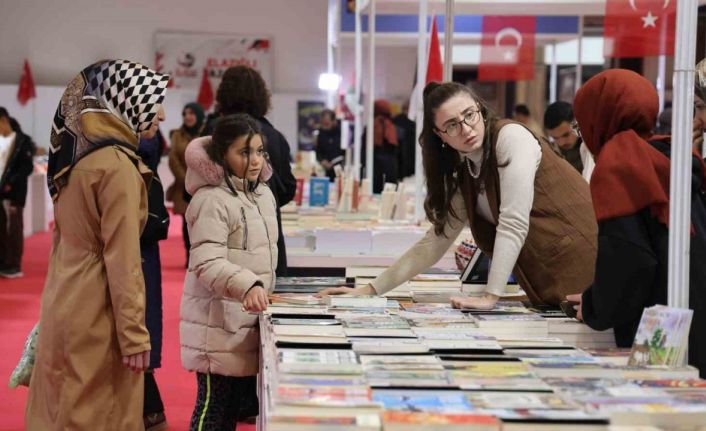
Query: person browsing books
{"points": [[616, 111], [526, 206], [232, 224]]}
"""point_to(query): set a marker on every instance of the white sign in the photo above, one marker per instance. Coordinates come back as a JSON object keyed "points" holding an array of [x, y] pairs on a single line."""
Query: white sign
{"points": [[184, 56]]}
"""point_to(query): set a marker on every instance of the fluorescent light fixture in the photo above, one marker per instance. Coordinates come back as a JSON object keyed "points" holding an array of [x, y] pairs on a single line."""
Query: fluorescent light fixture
{"points": [[329, 81]]}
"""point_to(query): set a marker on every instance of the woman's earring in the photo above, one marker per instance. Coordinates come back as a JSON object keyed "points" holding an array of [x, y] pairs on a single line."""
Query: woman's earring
{"points": [[443, 145]]}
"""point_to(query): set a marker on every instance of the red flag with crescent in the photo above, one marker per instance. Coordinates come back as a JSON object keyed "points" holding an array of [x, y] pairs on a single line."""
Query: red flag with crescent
{"points": [[507, 48], [639, 28]]}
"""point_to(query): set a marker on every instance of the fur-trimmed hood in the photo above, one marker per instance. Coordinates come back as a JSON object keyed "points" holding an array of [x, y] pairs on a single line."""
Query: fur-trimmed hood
{"points": [[202, 171]]}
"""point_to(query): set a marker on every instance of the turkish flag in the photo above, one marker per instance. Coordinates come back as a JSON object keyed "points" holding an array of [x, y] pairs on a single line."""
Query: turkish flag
{"points": [[26, 90], [639, 28], [507, 48], [205, 98], [435, 68]]}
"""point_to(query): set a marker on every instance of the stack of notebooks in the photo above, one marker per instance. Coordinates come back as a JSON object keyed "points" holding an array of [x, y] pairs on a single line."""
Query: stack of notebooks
{"points": [[376, 364]]}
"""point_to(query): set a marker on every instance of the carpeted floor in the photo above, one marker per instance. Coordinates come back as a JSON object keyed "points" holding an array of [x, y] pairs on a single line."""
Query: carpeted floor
{"points": [[19, 310]]}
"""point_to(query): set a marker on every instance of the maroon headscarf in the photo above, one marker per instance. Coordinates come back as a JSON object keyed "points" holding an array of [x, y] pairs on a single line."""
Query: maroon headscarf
{"points": [[384, 130], [616, 111]]}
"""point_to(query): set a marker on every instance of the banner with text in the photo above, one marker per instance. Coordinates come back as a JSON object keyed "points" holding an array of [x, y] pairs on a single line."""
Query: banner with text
{"points": [[185, 56]]}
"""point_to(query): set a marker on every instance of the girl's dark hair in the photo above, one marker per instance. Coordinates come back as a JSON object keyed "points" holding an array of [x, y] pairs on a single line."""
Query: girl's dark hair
{"points": [[226, 131], [242, 90], [441, 162]]}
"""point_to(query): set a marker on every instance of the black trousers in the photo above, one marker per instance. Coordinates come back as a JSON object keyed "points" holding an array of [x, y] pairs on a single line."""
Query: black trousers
{"points": [[221, 401], [11, 235], [153, 400]]}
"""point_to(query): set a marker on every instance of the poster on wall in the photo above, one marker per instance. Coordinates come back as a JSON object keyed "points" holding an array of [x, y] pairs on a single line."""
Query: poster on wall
{"points": [[308, 115], [187, 56]]}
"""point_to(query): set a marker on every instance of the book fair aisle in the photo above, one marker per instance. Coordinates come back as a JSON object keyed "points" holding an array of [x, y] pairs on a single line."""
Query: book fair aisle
{"points": [[353, 215]]}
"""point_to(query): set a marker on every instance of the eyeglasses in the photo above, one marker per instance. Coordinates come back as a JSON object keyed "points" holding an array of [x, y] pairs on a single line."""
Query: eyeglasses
{"points": [[576, 129], [470, 119]]}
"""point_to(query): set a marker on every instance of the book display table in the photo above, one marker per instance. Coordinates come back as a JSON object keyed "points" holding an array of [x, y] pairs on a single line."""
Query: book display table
{"points": [[427, 366]]}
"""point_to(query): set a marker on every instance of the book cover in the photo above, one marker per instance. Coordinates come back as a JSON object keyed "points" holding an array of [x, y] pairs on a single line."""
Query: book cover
{"points": [[661, 336], [318, 191], [423, 401], [413, 418]]}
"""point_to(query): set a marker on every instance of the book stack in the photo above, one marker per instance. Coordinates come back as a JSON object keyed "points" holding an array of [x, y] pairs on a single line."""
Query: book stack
{"points": [[378, 364], [579, 334], [308, 284], [376, 326], [433, 285]]}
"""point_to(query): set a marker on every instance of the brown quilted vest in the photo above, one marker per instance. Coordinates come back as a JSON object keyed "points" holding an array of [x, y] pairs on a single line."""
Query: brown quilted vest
{"points": [[559, 254]]}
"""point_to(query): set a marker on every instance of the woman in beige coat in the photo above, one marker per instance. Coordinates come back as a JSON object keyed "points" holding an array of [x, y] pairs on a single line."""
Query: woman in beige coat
{"points": [[92, 344], [190, 129], [233, 228]]}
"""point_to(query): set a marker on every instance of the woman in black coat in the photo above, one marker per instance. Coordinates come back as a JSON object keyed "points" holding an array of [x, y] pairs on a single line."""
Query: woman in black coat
{"points": [[156, 229]]}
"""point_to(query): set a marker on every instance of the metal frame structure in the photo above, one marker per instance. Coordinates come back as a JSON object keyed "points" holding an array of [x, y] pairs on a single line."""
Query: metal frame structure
{"points": [[680, 185]]}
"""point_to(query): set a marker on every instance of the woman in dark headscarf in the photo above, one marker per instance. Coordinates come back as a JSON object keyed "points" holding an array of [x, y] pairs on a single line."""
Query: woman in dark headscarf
{"points": [[93, 345], [191, 128], [616, 112]]}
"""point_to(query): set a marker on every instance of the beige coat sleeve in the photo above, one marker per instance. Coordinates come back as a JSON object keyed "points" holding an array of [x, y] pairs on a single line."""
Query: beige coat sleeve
{"points": [[209, 227], [426, 252], [177, 164], [122, 201]]}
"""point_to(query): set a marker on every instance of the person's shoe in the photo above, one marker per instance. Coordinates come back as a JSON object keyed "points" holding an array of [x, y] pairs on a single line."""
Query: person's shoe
{"points": [[11, 273], [155, 422]]}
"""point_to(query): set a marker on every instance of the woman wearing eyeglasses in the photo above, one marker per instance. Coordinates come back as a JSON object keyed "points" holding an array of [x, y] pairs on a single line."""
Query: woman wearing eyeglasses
{"points": [[527, 208]]}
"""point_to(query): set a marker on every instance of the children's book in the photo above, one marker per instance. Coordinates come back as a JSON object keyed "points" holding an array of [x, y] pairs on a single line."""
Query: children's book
{"points": [[662, 337]]}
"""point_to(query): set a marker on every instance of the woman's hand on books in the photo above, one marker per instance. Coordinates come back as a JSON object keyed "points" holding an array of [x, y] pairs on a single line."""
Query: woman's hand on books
{"points": [[255, 300], [576, 298], [138, 362], [362, 290], [485, 302]]}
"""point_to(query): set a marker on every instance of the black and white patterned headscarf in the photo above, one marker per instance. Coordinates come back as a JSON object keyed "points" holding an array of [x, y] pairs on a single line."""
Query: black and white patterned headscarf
{"points": [[109, 103]]}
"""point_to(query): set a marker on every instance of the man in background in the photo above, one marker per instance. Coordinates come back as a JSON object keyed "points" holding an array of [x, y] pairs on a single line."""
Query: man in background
{"points": [[328, 143], [558, 120], [521, 114], [16, 164]]}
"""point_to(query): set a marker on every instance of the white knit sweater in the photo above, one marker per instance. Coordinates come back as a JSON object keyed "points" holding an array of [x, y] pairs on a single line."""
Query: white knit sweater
{"points": [[517, 148]]}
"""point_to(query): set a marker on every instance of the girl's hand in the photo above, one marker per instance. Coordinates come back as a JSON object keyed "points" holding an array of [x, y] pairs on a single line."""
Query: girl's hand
{"points": [[358, 291], [255, 300], [485, 302]]}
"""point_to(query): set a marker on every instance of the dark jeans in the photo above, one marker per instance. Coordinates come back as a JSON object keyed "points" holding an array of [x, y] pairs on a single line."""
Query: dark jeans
{"points": [[385, 170], [153, 400], [221, 401], [11, 235]]}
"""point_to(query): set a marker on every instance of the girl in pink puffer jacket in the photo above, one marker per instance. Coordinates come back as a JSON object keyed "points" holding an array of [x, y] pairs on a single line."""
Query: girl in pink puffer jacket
{"points": [[233, 229]]}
